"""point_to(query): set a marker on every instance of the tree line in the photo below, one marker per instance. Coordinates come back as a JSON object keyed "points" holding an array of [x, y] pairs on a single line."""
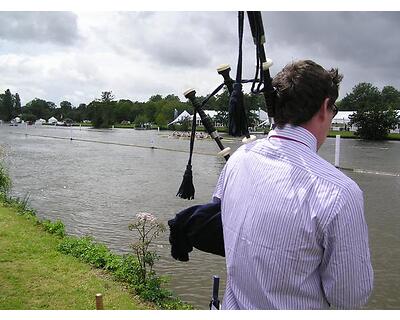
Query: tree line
{"points": [[372, 106], [106, 111]]}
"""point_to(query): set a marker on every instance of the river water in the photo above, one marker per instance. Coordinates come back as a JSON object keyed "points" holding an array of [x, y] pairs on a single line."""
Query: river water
{"points": [[96, 188]]}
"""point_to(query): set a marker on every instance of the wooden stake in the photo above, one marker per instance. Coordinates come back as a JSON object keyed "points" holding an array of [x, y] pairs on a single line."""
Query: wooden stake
{"points": [[99, 301]]}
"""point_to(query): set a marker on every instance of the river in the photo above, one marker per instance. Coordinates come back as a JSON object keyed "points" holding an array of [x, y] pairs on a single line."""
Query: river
{"points": [[97, 182]]}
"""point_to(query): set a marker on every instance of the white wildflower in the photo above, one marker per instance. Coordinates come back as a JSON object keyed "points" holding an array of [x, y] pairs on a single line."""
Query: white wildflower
{"points": [[145, 216]]}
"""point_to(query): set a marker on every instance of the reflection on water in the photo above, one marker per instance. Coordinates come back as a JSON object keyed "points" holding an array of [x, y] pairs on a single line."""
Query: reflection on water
{"points": [[97, 189]]}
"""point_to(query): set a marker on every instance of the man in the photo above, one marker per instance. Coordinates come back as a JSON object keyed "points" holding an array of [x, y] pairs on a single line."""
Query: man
{"points": [[294, 228]]}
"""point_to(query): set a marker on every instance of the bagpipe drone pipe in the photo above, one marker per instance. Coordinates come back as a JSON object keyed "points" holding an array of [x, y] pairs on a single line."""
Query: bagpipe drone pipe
{"points": [[200, 226]]}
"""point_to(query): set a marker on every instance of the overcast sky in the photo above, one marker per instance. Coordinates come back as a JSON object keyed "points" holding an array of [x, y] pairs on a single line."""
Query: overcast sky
{"points": [[75, 56]]}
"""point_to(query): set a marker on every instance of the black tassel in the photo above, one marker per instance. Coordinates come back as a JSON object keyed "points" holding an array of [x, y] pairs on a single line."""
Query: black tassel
{"points": [[237, 113], [186, 190]]}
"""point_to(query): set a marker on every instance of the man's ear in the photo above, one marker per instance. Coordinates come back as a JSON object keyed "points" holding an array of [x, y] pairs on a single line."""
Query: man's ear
{"points": [[324, 110]]}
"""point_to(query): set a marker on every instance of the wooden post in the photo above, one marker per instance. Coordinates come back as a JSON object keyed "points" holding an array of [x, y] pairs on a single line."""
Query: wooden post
{"points": [[99, 301]]}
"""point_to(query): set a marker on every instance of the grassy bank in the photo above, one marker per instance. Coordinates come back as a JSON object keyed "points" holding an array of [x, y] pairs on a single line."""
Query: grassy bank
{"points": [[34, 275], [43, 268]]}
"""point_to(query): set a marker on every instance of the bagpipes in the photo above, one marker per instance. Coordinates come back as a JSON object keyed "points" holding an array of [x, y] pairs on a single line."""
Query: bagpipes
{"points": [[200, 226]]}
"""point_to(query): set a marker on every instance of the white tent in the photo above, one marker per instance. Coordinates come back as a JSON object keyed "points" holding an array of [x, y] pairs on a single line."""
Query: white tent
{"points": [[210, 113], [262, 115], [342, 117], [52, 120], [181, 117], [40, 121]]}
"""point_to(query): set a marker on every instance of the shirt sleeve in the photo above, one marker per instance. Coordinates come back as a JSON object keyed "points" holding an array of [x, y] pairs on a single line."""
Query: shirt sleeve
{"points": [[219, 188], [346, 271]]}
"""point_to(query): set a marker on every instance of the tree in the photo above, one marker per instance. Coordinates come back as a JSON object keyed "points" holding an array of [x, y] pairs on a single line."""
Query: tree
{"points": [[155, 98], [28, 117], [375, 115], [374, 124], [81, 112], [364, 96], [172, 98], [161, 120], [102, 110], [222, 101], [65, 109], [39, 108], [107, 96], [7, 106], [222, 118], [102, 116], [17, 104], [141, 120], [390, 97]]}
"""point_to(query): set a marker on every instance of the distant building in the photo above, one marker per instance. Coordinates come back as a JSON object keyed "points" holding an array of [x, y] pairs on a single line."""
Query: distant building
{"points": [[211, 114], [40, 121], [52, 120], [397, 129], [341, 121]]}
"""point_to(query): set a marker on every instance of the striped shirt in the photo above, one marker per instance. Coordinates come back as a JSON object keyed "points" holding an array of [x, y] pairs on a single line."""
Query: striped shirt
{"points": [[294, 228]]}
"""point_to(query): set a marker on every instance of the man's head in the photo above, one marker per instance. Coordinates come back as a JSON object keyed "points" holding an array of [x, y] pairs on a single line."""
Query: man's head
{"points": [[306, 95], [302, 87]]}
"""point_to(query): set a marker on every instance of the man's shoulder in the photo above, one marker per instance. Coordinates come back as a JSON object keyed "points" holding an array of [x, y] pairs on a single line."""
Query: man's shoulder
{"points": [[333, 175], [309, 161]]}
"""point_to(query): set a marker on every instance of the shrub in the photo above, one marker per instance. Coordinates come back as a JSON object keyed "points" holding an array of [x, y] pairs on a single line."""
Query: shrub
{"points": [[86, 249], [56, 227], [374, 124], [22, 206], [5, 181]]}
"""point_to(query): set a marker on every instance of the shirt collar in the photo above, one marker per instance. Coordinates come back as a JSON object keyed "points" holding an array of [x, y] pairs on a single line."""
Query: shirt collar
{"points": [[296, 133]]}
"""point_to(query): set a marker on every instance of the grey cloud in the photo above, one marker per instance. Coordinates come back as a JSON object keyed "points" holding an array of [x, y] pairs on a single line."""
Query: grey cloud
{"points": [[178, 39], [362, 44], [368, 39], [50, 27], [142, 53]]}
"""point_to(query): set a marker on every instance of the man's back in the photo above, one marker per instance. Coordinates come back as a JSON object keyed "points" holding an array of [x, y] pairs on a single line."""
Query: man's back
{"points": [[294, 230]]}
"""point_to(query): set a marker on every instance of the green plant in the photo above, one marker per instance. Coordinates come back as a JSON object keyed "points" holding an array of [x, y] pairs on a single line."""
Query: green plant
{"points": [[148, 229], [125, 268], [56, 227], [86, 249], [5, 181], [22, 205]]}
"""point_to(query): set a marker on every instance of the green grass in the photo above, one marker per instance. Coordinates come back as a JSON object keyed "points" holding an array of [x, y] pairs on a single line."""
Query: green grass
{"points": [[351, 135], [343, 134], [394, 136], [34, 275]]}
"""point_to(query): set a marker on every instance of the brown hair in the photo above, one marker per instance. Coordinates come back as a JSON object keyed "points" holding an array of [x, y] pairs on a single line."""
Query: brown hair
{"points": [[301, 88]]}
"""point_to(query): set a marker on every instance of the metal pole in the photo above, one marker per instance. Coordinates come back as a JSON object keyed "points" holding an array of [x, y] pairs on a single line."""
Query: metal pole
{"points": [[215, 303]]}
